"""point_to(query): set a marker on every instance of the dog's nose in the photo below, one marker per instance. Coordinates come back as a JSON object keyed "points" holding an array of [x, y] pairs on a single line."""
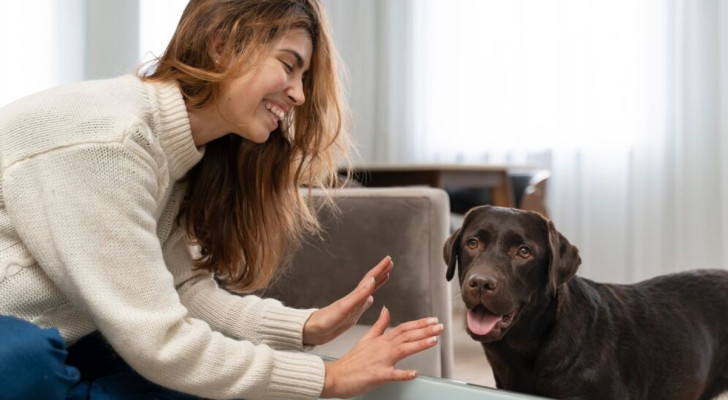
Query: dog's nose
{"points": [[482, 283]]}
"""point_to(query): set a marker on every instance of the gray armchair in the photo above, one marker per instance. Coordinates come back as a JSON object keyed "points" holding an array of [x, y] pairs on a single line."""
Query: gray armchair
{"points": [[409, 224]]}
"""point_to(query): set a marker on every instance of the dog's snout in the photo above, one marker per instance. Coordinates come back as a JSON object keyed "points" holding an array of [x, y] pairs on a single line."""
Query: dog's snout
{"points": [[482, 283]]}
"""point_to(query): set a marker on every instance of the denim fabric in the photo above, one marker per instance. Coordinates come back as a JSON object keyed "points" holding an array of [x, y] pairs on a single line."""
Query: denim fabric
{"points": [[34, 364]]}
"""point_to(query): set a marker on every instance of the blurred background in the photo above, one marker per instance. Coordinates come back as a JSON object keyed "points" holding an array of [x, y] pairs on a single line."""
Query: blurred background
{"points": [[625, 102]]}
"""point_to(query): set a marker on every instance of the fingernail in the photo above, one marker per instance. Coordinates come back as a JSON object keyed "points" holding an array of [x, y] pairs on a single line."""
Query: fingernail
{"points": [[439, 328], [432, 321], [413, 374], [371, 282], [432, 340]]}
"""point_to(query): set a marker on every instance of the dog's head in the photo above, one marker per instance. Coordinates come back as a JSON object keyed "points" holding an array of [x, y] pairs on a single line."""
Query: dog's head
{"points": [[506, 259]]}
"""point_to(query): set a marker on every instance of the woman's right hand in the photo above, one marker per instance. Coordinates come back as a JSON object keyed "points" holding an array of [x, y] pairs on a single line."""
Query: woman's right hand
{"points": [[371, 362]]}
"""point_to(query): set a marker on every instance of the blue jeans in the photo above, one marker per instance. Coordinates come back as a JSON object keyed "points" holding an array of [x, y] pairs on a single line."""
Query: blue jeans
{"points": [[35, 364]]}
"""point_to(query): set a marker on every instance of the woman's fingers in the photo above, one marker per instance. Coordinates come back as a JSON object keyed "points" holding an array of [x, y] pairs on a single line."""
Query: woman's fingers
{"points": [[380, 272], [431, 331], [371, 362], [403, 375], [407, 349], [381, 281], [357, 300], [410, 326], [407, 332], [408, 338], [380, 325], [365, 306], [362, 292]]}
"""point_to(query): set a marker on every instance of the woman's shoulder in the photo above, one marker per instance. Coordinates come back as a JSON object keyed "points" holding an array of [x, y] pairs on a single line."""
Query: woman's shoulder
{"points": [[97, 111], [90, 94]]}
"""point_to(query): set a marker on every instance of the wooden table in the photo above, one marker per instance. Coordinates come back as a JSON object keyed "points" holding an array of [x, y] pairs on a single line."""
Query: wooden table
{"points": [[493, 177]]}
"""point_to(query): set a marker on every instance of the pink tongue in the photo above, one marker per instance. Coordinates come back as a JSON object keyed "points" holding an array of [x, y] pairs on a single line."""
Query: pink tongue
{"points": [[480, 322]]}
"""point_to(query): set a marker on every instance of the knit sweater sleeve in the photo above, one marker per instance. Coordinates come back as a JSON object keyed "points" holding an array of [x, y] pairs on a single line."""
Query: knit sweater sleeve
{"points": [[86, 213], [246, 317]]}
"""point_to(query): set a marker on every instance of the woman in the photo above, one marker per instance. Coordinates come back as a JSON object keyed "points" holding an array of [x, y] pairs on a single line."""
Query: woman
{"points": [[106, 185]]}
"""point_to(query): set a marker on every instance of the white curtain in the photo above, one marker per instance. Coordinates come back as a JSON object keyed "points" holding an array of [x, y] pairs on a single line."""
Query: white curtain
{"points": [[46, 43], [624, 101], [41, 42], [375, 41]]}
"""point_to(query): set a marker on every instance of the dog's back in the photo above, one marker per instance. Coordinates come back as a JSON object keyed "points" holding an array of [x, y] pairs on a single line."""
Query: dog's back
{"points": [[664, 338]]}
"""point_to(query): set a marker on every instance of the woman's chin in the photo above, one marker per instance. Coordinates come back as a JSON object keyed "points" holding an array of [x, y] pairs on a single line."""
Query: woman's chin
{"points": [[256, 137]]}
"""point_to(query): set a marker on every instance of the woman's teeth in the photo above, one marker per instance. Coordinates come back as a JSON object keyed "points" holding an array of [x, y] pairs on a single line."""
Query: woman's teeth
{"points": [[275, 110]]}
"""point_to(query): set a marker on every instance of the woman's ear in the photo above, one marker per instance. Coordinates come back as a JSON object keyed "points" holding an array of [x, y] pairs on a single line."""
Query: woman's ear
{"points": [[216, 49]]}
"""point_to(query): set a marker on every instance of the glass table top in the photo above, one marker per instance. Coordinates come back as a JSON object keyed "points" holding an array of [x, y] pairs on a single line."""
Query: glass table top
{"points": [[425, 388]]}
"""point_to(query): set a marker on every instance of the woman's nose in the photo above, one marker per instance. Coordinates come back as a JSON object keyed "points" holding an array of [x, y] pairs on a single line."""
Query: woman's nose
{"points": [[295, 93]]}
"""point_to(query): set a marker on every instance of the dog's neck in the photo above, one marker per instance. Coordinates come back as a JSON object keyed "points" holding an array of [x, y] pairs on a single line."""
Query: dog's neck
{"points": [[514, 358], [517, 358]]}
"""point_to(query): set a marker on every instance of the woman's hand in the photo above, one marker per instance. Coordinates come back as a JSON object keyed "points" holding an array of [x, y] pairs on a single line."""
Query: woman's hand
{"points": [[329, 322], [371, 362]]}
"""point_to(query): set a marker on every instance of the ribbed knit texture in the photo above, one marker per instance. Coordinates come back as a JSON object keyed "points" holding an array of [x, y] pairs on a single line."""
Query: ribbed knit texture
{"points": [[89, 196]]}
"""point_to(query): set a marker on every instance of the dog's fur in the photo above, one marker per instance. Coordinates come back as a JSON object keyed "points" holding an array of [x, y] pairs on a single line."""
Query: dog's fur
{"points": [[554, 334]]}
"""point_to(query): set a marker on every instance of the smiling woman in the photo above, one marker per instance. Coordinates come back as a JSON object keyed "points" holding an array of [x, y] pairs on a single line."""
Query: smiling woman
{"points": [[253, 104], [106, 184]]}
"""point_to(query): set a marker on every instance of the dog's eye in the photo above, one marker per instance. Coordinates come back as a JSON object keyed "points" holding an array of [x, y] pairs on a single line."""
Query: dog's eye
{"points": [[524, 251], [472, 243]]}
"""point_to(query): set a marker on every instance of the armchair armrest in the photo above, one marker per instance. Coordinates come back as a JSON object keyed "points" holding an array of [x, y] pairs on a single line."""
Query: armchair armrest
{"points": [[408, 223]]}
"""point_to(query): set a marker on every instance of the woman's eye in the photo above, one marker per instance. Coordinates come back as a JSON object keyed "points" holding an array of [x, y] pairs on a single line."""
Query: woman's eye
{"points": [[472, 243], [524, 251], [287, 66]]}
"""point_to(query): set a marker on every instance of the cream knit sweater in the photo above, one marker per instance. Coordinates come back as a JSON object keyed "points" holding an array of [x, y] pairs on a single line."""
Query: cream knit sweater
{"points": [[88, 240]]}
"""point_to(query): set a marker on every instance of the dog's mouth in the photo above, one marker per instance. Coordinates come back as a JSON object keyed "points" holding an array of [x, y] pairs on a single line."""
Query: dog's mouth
{"points": [[482, 322]]}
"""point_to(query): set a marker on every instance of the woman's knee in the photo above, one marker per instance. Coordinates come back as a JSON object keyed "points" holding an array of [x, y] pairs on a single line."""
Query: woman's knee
{"points": [[33, 361]]}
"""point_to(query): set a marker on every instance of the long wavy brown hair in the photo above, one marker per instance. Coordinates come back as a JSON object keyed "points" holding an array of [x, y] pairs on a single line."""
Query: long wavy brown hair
{"points": [[244, 207]]}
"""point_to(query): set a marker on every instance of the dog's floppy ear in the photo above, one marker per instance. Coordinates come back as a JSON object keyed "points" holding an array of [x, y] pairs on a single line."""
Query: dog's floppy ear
{"points": [[564, 258], [451, 251]]}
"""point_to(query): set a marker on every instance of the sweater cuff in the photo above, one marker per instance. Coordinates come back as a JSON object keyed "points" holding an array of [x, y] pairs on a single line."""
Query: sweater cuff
{"points": [[282, 327], [296, 376]]}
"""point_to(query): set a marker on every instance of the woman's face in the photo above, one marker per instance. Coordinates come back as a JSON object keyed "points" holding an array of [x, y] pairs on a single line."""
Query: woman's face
{"points": [[253, 105]]}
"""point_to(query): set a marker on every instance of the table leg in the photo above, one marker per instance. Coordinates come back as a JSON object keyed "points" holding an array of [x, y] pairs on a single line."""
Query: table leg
{"points": [[503, 193]]}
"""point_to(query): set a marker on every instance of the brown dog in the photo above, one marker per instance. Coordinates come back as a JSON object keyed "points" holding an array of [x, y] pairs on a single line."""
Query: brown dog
{"points": [[548, 332]]}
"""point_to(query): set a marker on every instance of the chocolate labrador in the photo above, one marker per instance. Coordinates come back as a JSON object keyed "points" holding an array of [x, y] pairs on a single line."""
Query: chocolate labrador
{"points": [[548, 332]]}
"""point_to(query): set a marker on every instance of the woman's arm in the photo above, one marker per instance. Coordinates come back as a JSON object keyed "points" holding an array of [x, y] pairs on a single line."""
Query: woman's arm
{"points": [[86, 213], [247, 317]]}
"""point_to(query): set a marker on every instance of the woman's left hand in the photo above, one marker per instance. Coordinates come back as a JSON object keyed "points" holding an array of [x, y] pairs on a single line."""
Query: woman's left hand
{"points": [[329, 322]]}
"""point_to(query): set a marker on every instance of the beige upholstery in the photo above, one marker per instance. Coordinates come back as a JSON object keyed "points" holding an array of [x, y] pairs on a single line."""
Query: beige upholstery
{"points": [[409, 224], [534, 195]]}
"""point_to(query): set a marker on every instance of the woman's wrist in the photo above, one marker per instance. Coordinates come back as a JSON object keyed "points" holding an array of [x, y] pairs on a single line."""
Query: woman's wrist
{"points": [[309, 336], [329, 382]]}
